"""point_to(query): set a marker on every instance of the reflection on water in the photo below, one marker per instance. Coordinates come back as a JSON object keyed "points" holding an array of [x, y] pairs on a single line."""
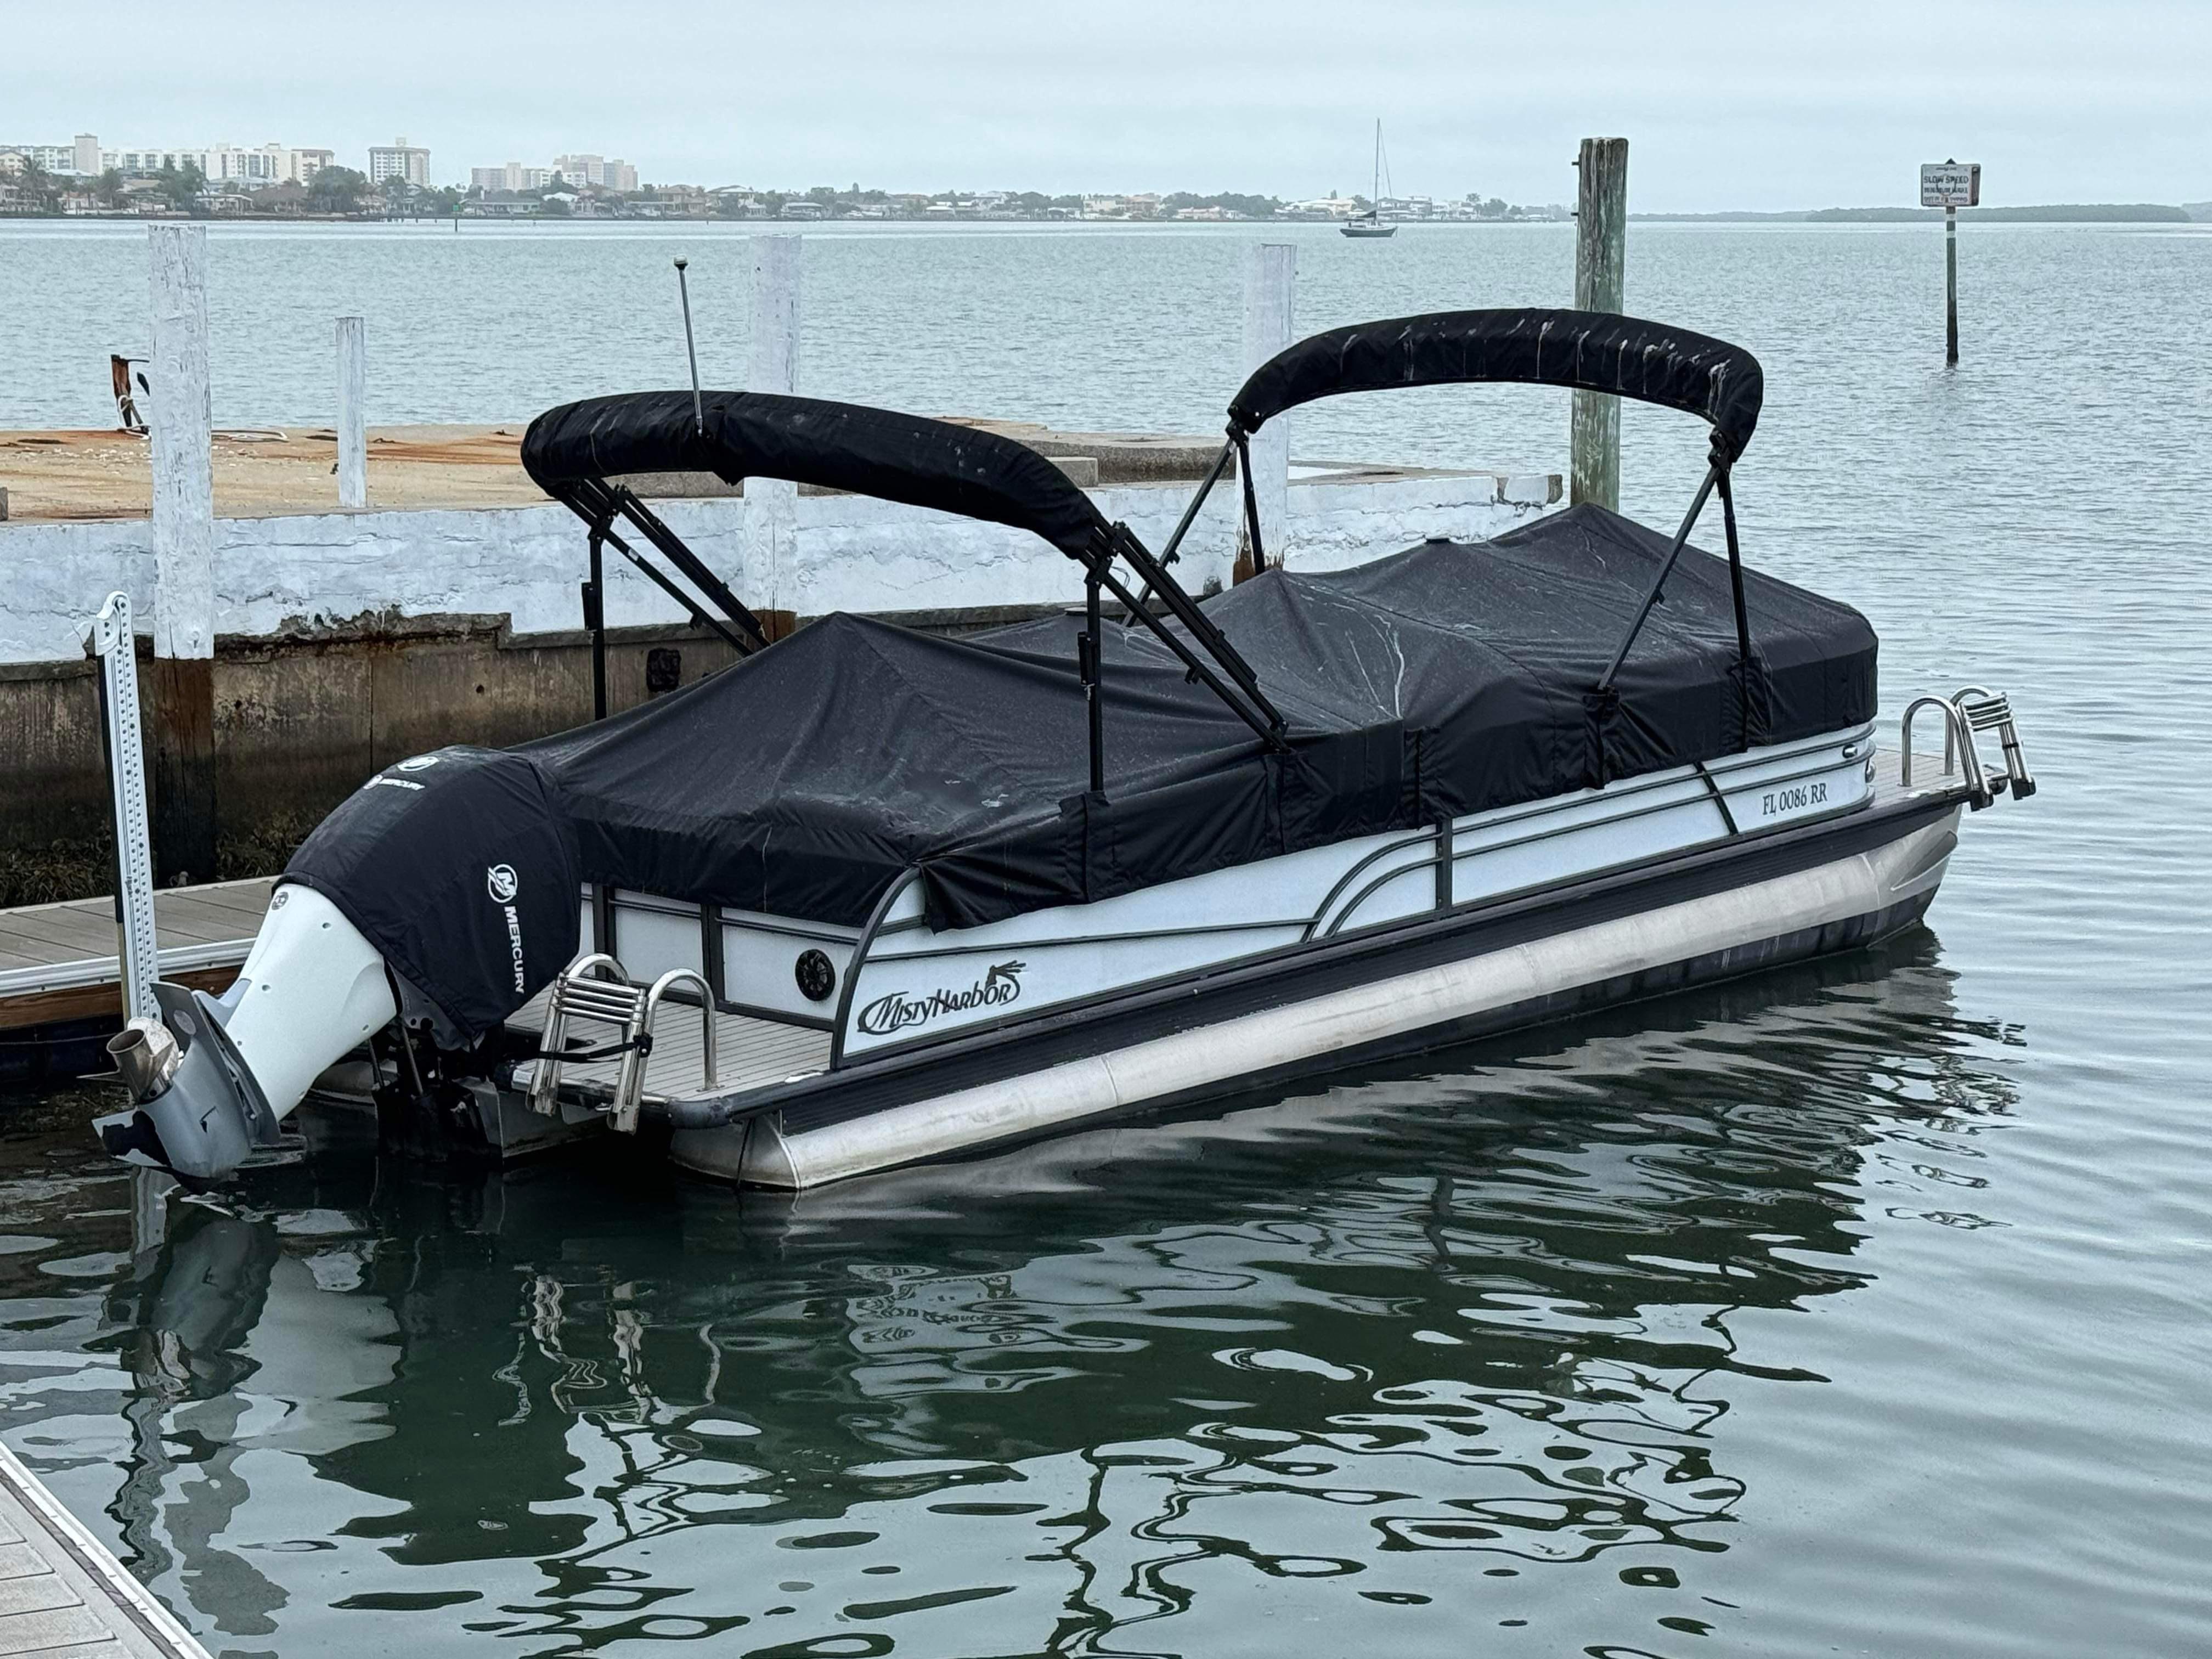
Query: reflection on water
{"points": [[1454, 1346]]}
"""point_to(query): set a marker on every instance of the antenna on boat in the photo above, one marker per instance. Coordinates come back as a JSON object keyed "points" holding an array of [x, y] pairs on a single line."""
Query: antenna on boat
{"points": [[683, 289]]}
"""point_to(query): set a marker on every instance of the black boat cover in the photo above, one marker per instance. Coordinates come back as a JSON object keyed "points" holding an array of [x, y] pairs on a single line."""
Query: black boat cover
{"points": [[1596, 351], [801, 781]]}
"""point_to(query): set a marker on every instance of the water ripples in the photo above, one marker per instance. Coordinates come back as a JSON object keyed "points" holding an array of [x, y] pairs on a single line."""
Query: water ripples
{"points": [[1859, 1306]]}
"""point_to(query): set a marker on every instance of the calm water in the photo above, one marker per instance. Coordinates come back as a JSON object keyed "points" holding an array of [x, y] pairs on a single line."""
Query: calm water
{"points": [[1863, 1307]]}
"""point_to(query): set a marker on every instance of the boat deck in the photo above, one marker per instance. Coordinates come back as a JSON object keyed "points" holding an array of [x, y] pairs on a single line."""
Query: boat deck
{"points": [[63, 1593], [59, 962], [748, 1053]]}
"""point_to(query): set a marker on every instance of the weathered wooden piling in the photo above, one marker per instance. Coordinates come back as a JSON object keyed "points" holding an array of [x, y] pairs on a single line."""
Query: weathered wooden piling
{"points": [[1270, 273], [772, 504], [353, 411], [182, 733], [1600, 263]]}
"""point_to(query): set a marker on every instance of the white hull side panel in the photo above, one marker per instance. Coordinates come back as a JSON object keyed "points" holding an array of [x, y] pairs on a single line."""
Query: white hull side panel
{"points": [[916, 982], [1861, 884]]}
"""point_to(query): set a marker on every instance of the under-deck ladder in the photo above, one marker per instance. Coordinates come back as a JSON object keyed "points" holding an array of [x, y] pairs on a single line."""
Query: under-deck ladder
{"points": [[595, 989]]}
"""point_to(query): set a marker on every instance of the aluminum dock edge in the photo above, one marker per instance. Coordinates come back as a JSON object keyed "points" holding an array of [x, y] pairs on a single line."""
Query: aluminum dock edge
{"points": [[63, 1593]]}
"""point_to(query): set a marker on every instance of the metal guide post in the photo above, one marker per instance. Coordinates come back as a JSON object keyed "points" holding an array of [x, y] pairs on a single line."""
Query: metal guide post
{"points": [[109, 637]]}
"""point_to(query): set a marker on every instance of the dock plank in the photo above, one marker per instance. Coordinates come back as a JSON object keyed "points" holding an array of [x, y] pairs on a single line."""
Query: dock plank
{"points": [[63, 1593], [58, 962], [56, 937]]}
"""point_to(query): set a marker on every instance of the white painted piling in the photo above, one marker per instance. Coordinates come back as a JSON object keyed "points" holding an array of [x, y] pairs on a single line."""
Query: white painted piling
{"points": [[183, 477], [1271, 271], [353, 411], [772, 504], [182, 736]]}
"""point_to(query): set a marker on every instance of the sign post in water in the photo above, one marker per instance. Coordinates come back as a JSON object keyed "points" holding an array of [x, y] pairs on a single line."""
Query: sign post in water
{"points": [[1950, 185]]}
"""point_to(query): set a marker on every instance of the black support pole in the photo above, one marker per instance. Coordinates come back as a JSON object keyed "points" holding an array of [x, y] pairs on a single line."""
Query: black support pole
{"points": [[1089, 666], [1713, 474], [1251, 507], [1743, 615], [1171, 552], [595, 624]]}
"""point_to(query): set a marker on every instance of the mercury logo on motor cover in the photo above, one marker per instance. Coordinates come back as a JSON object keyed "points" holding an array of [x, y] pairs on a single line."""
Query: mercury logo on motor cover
{"points": [[894, 1012], [502, 884]]}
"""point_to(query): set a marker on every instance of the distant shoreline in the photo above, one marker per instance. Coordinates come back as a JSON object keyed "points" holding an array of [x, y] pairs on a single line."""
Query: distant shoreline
{"points": [[2074, 213], [2055, 213]]}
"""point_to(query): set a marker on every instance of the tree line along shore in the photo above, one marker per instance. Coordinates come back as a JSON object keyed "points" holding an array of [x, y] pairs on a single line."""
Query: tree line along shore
{"points": [[338, 193]]}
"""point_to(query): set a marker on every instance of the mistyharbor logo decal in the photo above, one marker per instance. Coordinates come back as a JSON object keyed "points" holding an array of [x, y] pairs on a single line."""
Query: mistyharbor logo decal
{"points": [[502, 884], [1000, 985]]}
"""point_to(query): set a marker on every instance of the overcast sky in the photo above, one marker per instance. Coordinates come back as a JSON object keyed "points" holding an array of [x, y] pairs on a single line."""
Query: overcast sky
{"points": [[1770, 105]]}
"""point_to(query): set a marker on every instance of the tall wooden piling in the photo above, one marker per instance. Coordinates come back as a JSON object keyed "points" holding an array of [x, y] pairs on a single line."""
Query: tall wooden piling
{"points": [[181, 734], [772, 504], [1600, 265], [353, 411], [1270, 273]]}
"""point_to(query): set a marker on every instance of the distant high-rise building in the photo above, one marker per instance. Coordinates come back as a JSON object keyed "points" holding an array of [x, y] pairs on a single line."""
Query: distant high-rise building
{"points": [[514, 176], [399, 159], [615, 174], [222, 166], [51, 158]]}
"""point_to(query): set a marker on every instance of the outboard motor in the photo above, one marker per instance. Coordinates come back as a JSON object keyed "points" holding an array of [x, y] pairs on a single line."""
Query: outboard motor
{"points": [[211, 1078], [449, 879]]}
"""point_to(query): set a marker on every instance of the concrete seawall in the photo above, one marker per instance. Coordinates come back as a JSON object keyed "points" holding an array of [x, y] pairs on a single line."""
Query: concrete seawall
{"points": [[346, 640]]}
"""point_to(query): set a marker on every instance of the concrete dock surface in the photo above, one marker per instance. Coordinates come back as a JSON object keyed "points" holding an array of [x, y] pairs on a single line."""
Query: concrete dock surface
{"points": [[62, 476]]}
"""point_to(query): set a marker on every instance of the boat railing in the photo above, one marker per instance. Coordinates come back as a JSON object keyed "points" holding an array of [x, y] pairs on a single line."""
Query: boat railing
{"points": [[631, 1090], [1991, 711], [1973, 708], [596, 989]]}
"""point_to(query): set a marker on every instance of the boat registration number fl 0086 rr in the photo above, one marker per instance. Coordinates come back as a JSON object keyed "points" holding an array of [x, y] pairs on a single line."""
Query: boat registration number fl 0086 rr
{"points": [[1001, 985], [1792, 800]]}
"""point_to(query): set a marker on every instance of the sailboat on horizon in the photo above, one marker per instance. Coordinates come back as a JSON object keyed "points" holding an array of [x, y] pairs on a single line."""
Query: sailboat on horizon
{"points": [[1370, 223]]}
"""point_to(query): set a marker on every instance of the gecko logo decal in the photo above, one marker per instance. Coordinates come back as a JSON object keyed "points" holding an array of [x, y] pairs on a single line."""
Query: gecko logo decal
{"points": [[1000, 985]]}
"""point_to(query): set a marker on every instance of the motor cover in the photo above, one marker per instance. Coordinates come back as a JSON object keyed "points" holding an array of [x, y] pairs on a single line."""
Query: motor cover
{"points": [[460, 868]]}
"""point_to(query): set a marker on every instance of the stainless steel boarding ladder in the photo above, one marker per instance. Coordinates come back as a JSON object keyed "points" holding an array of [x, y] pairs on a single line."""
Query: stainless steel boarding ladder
{"points": [[1973, 709], [595, 989]]}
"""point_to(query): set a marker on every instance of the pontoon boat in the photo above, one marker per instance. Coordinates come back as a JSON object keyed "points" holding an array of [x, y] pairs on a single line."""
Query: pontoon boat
{"points": [[868, 896]]}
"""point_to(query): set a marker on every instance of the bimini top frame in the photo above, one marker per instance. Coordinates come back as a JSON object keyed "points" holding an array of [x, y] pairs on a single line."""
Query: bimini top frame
{"points": [[577, 453], [1585, 350]]}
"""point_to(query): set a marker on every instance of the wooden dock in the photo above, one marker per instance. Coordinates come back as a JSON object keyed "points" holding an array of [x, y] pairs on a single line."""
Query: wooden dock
{"points": [[60, 963], [62, 1593]]}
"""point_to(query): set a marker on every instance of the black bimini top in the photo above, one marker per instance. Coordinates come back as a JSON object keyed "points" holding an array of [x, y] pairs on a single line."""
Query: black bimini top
{"points": [[869, 451], [1594, 351]]}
